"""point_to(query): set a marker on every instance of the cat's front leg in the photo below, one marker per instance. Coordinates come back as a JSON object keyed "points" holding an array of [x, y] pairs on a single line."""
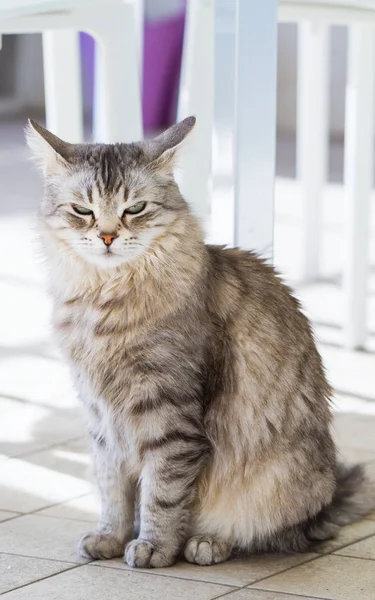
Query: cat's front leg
{"points": [[168, 480], [117, 493]]}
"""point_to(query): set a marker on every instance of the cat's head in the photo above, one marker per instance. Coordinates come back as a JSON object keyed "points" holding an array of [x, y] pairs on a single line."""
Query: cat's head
{"points": [[108, 203]]}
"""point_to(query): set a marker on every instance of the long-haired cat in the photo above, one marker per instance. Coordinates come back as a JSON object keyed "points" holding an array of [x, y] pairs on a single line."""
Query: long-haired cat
{"points": [[205, 394]]}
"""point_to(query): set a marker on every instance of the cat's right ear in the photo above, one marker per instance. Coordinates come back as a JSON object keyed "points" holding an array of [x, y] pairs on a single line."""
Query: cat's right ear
{"points": [[50, 153]]}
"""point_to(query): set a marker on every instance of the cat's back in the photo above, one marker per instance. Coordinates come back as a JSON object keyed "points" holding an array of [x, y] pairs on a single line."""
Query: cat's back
{"points": [[243, 285], [262, 324]]}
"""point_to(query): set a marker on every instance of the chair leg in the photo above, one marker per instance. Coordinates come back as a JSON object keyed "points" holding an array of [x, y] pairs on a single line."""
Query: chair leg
{"points": [[139, 9], [196, 98], [312, 137], [117, 97], [358, 175], [255, 124], [62, 82]]}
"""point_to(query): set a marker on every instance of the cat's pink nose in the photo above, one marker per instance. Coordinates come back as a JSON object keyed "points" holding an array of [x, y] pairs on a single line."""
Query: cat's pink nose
{"points": [[108, 238]]}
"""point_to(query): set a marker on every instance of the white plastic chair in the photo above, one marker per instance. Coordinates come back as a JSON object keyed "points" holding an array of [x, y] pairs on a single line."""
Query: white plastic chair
{"points": [[253, 27], [254, 125], [116, 26], [314, 18]]}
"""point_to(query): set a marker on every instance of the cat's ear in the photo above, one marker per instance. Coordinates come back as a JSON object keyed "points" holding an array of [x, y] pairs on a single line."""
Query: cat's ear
{"points": [[162, 150], [49, 152]]}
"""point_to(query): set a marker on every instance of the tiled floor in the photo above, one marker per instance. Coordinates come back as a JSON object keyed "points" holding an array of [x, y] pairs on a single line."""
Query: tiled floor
{"points": [[46, 499]]}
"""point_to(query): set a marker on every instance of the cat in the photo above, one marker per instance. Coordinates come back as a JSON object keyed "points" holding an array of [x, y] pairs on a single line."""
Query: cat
{"points": [[206, 398]]}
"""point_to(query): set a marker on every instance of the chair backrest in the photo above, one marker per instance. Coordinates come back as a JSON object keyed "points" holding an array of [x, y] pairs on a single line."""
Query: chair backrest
{"points": [[361, 4], [20, 8]]}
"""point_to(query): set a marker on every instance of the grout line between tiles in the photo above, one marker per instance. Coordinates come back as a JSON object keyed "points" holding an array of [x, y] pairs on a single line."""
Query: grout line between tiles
{"points": [[250, 586], [76, 520], [226, 594], [355, 557], [59, 560], [59, 503], [37, 511], [45, 448], [366, 537], [322, 555], [41, 579], [15, 516], [246, 587], [289, 594], [306, 562], [156, 574]]}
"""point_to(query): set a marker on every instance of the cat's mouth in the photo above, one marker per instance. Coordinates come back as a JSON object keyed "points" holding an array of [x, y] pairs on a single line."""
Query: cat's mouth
{"points": [[109, 257]]}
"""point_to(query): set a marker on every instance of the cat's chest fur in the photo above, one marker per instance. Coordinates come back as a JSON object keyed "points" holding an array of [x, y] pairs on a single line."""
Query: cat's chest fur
{"points": [[103, 423], [119, 369], [98, 347]]}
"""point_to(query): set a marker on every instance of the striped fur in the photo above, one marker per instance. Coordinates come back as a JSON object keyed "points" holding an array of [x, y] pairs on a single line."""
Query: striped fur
{"points": [[205, 395]]}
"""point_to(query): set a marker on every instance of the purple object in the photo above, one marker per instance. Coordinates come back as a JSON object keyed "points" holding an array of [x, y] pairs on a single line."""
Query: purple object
{"points": [[87, 58], [163, 41]]}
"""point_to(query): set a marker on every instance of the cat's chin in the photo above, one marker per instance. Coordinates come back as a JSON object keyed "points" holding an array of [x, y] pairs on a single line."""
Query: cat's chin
{"points": [[109, 260]]}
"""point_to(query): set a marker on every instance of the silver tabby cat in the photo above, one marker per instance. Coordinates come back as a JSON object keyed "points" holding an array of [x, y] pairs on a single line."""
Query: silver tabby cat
{"points": [[206, 397]]}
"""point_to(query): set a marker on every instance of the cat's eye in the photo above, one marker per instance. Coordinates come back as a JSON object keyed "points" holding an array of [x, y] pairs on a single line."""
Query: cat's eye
{"points": [[80, 210], [135, 209]]}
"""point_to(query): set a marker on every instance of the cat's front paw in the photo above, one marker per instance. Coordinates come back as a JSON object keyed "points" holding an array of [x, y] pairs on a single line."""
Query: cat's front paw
{"points": [[100, 545], [206, 550], [143, 554]]}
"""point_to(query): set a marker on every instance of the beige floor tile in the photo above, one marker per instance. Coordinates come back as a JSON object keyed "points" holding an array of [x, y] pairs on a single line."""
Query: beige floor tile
{"points": [[332, 577], [370, 470], [355, 431], [7, 514], [21, 570], [107, 584], [42, 537], [42, 479], [353, 456], [261, 595], [70, 458], [348, 535], [362, 549], [236, 572], [349, 372], [27, 427], [82, 443], [86, 508], [45, 380]]}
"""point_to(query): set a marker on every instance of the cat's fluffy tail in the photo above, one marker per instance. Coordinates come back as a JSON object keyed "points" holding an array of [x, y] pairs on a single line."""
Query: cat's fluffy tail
{"points": [[353, 499]]}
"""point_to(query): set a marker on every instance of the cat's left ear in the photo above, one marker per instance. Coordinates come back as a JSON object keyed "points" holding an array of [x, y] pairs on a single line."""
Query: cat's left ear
{"points": [[49, 152], [162, 150]]}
